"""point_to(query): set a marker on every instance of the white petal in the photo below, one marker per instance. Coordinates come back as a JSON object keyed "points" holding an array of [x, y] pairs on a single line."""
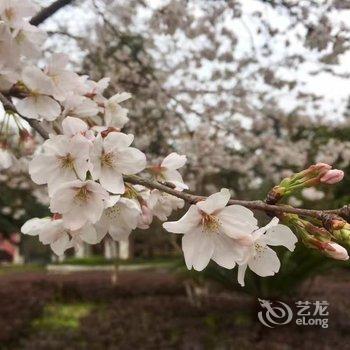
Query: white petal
{"points": [[258, 233], [241, 273], [187, 223], [174, 177], [60, 178], [265, 263], [281, 235], [198, 248], [99, 191], [27, 108], [131, 161], [112, 200], [47, 108], [36, 80], [117, 141], [112, 180], [174, 161], [72, 126], [85, 109], [237, 222], [52, 231], [226, 252], [116, 116], [62, 198], [43, 168], [120, 97], [215, 202], [89, 235], [34, 226], [74, 219], [59, 246], [95, 158]]}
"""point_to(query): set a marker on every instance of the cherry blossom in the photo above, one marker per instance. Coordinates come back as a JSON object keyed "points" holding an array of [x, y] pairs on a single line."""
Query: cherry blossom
{"points": [[10, 55], [54, 233], [214, 231], [259, 257], [115, 115], [64, 81], [112, 157], [162, 204], [49, 232], [75, 127], [38, 105], [168, 170], [62, 160], [119, 219], [79, 202], [95, 89], [80, 107], [29, 39], [13, 12]]}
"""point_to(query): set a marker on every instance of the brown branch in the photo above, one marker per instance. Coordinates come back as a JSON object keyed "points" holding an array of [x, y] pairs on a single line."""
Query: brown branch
{"points": [[255, 205], [9, 106], [191, 198], [48, 11]]}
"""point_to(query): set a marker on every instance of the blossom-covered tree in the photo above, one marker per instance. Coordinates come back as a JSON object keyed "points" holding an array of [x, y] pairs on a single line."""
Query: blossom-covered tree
{"points": [[92, 170]]}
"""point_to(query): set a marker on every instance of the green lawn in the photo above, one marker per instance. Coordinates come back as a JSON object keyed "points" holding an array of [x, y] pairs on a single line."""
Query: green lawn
{"points": [[60, 316]]}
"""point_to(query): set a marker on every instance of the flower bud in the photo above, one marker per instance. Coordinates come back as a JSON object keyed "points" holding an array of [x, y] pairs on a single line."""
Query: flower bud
{"points": [[335, 251], [316, 237], [27, 142], [339, 228], [332, 176], [312, 176], [321, 167]]}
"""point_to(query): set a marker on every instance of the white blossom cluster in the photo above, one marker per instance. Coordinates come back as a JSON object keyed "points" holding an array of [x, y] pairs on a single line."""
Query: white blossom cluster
{"points": [[84, 162], [83, 168]]}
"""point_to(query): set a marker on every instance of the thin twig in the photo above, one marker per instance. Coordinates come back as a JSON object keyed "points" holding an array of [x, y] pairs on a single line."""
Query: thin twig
{"points": [[48, 11]]}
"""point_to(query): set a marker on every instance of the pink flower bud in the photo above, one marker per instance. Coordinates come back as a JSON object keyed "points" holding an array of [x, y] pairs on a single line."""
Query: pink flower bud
{"points": [[332, 176], [336, 251], [321, 167]]}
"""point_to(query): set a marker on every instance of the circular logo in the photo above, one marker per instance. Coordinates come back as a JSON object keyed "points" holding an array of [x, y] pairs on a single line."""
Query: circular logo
{"points": [[274, 314]]}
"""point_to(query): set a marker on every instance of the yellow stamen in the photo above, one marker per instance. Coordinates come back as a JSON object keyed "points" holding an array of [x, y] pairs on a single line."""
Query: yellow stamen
{"points": [[82, 195], [210, 223], [66, 161], [108, 159]]}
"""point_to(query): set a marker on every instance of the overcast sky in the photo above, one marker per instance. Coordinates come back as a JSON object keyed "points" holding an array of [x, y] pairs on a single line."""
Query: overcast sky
{"points": [[333, 89]]}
